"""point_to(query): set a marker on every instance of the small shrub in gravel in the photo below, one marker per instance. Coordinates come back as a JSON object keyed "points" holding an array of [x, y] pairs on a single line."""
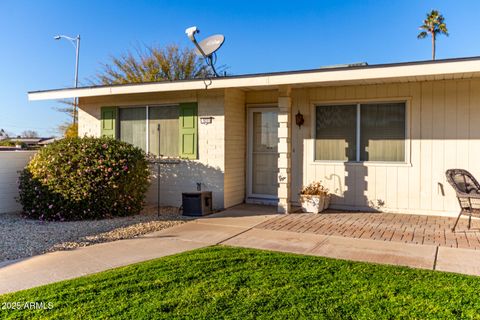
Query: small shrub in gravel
{"points": [[84, 178]]}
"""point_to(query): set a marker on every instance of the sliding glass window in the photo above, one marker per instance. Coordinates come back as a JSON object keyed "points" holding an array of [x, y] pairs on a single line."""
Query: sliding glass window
{"points": [[361, 132], [162, 125]]}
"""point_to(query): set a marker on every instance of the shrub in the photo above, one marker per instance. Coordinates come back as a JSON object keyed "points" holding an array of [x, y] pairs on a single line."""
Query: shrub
{"points": [[12, 143], [71, 131], [84, 178], [7, 143]]}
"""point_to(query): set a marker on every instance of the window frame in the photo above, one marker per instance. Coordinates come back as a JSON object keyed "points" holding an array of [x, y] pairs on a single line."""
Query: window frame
{"points": [[358, 102], [147, 115]]}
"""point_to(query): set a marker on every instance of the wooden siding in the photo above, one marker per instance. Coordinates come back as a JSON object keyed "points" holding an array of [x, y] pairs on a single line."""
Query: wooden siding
{"points": [[262, 97], [11, 162], [235, 146], [443, 131]]}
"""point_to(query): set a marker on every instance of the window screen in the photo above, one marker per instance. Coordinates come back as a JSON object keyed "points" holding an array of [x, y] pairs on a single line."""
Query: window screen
{"points": [[335, 136], [133, 126], [382, 132], [164, 118]]}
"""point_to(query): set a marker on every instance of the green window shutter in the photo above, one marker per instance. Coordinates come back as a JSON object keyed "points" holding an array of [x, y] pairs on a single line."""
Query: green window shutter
{"points": [[109, 122], [188, 128]]}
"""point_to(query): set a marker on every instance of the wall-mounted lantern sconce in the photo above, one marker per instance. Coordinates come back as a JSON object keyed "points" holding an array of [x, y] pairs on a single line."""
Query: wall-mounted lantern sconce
{"points": [[299, 120], [206, 120]]}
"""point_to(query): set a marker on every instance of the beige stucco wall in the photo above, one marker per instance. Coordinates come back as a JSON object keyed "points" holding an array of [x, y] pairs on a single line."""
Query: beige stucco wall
{"points": [[183, 177], [443, 124], [11, 162]]}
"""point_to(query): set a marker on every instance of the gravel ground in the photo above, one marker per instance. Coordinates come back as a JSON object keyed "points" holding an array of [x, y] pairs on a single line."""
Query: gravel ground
{"points": [[20, 237]]}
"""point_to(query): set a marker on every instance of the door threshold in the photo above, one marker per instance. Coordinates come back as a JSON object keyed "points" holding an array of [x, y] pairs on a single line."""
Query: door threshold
{"points": [[262, 201]]}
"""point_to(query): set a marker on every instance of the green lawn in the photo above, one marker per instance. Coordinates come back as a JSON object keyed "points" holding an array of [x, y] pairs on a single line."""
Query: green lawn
{"points": [[224, 282]]}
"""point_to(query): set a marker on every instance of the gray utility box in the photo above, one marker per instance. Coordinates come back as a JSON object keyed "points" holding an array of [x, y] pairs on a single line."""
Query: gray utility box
{"points": [[197, 203]]}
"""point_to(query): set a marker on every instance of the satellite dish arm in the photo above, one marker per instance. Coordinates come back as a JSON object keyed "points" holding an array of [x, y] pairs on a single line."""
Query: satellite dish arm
{"points": [[199, 48], [210, 62], [209, 59], [191, 35]]}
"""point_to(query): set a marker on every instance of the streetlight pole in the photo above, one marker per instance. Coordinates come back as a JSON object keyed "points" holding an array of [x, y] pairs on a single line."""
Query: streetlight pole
{"points": [[76, 44]]}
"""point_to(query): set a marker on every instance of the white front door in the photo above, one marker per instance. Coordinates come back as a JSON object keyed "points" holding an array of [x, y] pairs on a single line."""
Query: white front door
{"points": [[262, 153]]}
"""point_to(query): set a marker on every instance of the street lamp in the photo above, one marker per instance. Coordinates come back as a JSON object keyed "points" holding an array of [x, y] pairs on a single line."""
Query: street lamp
{"points": [[76, 44]]}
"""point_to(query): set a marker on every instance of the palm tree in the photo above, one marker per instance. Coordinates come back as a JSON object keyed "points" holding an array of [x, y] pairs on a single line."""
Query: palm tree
{"points": [[434, 24]]}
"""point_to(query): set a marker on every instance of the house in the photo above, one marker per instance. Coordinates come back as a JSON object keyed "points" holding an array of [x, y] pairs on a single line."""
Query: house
{"points": [[45, 141], [29, 143], [34, 142], [379, 137]]}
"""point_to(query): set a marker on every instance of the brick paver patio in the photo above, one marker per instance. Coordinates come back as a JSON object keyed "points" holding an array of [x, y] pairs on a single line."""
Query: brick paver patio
{"points": [[417, 229]]}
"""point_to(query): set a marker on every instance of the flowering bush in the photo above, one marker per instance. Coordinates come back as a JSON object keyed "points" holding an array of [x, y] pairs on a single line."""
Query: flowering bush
{"points": [[314, 189], [84, 178]]}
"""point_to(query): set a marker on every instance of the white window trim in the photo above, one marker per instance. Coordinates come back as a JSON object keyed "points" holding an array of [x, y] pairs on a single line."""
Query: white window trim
{"points": [[358, 102]]}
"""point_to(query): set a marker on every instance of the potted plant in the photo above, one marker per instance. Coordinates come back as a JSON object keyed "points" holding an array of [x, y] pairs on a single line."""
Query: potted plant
{"points": [[314, 198]]}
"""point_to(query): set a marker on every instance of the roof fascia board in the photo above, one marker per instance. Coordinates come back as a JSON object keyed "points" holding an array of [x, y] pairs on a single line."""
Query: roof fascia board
{"points": [[322, 76]]}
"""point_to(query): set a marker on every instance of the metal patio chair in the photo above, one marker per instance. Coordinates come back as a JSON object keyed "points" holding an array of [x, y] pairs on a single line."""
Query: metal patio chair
{"points": [[468, 192]]}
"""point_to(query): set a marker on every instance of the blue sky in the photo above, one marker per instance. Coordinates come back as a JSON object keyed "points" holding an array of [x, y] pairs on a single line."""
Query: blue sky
{"points": [[261, 36]]}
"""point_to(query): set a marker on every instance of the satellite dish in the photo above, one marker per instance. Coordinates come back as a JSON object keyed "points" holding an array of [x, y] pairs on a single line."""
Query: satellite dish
{"points": [[207, 47], [210, 45]]}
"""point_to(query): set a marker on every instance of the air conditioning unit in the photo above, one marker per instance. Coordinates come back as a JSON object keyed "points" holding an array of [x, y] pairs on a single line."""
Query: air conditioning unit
{"points": [[197, 204]]}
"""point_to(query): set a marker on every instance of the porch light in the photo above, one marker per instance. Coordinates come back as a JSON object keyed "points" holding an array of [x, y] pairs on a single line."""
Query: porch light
{"points": [[299, 120]]}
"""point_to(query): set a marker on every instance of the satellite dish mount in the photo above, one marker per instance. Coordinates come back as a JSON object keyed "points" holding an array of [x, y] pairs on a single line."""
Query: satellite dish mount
{"points": [[207, 47]]}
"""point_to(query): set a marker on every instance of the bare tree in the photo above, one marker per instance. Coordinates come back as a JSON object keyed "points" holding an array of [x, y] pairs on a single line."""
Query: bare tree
{"points": [[68, 128], [153, 64], [29, 134]]}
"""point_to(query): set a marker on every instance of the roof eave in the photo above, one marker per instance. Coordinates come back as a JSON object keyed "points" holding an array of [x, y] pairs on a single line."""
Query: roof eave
{"points": [[317, 77]]}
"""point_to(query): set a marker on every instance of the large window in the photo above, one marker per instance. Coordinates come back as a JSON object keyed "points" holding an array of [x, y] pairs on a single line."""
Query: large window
{"points": [[162, 129], [170, 131], [360, 132]]}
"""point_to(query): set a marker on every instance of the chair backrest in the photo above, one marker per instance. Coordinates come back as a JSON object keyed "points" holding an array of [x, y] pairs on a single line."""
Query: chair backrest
{"points": [[462, 181]]}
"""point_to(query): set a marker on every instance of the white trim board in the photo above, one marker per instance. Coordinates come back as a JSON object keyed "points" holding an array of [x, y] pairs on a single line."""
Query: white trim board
{"points": [[402, 72], [250, 194]]}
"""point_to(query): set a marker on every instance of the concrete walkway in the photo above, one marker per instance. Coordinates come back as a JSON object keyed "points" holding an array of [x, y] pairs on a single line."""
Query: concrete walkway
{"points": [[239, 226], [62, 265]]}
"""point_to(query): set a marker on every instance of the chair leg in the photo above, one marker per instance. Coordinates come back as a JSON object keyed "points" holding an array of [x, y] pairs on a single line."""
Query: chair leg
{"points": [[469, 219], [458, 218]]}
